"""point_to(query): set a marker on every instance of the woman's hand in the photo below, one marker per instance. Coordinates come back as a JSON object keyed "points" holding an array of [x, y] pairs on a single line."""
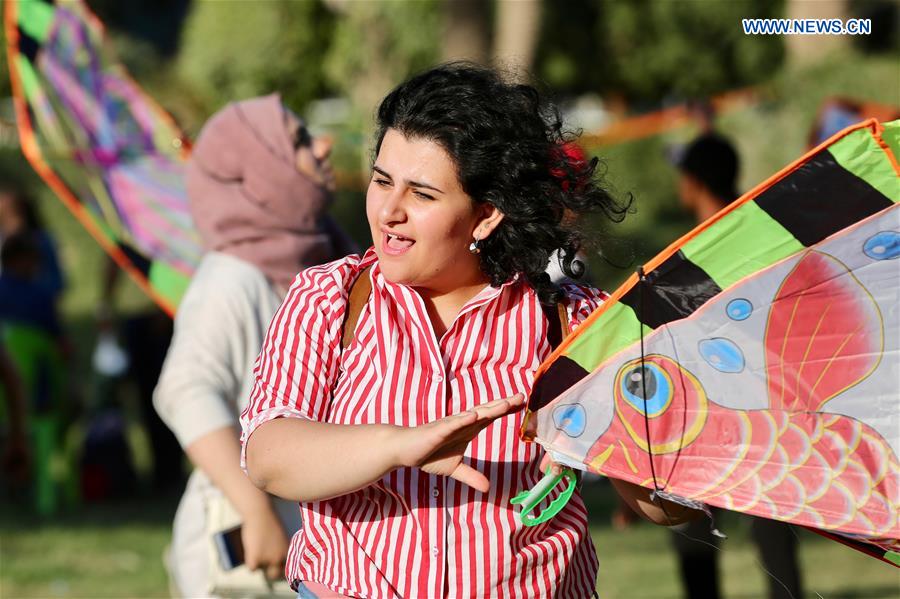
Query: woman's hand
{"points": [[265, 543], [438, 447]]}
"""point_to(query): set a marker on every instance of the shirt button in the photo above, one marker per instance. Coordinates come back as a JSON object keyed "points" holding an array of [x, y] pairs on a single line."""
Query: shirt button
{"points": [[438, 378], [435, 492], [434, 551]]}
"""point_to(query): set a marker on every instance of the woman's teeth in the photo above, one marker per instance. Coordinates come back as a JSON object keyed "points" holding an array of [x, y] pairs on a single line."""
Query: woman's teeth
{"points": [[398, 242]]}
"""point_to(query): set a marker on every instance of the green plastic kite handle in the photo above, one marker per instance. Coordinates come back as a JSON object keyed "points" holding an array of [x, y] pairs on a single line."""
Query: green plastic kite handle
{"points": [[532, 498]]}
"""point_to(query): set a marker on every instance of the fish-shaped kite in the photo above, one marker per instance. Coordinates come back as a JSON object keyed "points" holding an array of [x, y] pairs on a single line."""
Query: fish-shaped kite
{"points": [[113, 156], [755, 364]]}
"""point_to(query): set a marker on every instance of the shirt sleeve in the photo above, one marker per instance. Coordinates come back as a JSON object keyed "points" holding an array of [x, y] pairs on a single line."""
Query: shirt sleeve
{"points": [[200, 381], [581, 301], [299, 361]]}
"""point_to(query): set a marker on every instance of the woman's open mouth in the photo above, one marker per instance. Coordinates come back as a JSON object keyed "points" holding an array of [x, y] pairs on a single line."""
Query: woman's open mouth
{"points": [[395, 245]]}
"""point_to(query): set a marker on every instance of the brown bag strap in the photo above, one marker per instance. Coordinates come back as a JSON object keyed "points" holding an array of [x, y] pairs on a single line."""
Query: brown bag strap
{"points": [[557, 323], [563, 321], [360, 290]]}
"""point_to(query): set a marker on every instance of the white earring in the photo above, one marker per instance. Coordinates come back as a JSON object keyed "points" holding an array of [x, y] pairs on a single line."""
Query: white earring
{"points": [[475, 246]]}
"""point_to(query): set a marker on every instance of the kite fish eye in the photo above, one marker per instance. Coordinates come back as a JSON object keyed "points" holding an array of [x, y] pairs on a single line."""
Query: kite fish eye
{"points": [[739, 309], [649, 379], [570, 419], [722, 354], [883, 246], [660, 379]]}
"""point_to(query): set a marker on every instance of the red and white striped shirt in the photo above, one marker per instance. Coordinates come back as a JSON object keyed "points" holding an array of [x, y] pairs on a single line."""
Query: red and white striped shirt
{"points": [[412, 534]]}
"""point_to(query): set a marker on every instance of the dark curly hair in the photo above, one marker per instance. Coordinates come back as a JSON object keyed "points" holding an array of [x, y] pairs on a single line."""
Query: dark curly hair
{"points": [[508, 146]]}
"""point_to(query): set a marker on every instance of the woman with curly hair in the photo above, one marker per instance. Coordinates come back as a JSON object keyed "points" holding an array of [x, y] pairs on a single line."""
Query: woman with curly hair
{"points": [[396, 425]]}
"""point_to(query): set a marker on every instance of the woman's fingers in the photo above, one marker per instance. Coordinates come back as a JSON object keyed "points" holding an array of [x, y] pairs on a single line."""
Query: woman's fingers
{"points": [[274, 572], [547, 462], [452, 434], [468, 475], [463, 427], [449, 426], [500, 407], [477, 418]]}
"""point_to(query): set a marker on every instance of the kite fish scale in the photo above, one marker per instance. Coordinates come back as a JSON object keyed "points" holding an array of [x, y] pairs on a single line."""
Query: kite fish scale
{"points": [[774, 393], [816, 483], [780, 465]]}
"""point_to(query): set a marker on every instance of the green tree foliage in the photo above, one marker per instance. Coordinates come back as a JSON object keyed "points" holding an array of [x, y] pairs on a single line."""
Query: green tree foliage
{"points": [[377, 44], [647, 49], [233, 50], [157, 23]]}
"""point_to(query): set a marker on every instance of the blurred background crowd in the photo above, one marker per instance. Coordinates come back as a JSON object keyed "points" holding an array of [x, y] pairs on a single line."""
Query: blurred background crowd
{"points": [[89, 491]]}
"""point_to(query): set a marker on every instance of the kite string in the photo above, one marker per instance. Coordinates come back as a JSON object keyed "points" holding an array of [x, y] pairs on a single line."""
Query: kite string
{"points": [[680, 532], [659, 492], [641, 283]]}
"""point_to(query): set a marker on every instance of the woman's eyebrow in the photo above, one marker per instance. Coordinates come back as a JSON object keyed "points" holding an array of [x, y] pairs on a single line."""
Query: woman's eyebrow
{"points": [[382, 173], [408, 182]]}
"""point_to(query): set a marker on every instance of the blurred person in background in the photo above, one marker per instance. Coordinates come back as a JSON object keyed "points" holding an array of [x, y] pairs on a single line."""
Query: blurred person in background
{"points": [[708, 172], [18, 214], [34, 339], [259, 187], [25, 298]]}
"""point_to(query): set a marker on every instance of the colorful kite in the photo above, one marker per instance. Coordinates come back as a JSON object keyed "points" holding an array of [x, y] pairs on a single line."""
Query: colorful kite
{"points": [[108, 151], [755, 364]]}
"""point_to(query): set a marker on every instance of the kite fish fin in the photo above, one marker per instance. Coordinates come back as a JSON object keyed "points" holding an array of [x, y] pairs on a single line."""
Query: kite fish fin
{"points": [[824, 334]]}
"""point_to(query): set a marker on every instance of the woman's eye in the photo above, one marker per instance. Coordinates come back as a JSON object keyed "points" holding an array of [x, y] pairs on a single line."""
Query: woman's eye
{"points": [[382, 182], [423, 196]]}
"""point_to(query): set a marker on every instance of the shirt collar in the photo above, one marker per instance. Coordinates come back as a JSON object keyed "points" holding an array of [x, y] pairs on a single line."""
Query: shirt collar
{"points": [[484, 296]]}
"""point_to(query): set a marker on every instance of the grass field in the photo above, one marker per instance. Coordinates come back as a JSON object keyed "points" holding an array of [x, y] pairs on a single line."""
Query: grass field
{"points": [[115, 551]]}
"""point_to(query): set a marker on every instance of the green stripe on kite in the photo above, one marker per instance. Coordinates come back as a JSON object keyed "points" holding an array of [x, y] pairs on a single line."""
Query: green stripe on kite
{"points": [[615, 330], [35, 19], [891, 136], [857, 153], [28, 77], [168, 282], [755, 241]]}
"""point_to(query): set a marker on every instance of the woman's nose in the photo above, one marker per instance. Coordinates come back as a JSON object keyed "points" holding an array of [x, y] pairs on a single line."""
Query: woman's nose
{"points": [[391, 210], [321, 147]]}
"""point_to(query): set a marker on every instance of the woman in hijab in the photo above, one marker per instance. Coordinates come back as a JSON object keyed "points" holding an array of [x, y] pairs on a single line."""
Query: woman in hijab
{"points": [[259, 187]]}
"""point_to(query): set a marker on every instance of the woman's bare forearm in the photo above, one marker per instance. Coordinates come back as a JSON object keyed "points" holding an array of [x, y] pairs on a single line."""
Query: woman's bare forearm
{"points": [[658, 511], [303, 460], [218, 455]]}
